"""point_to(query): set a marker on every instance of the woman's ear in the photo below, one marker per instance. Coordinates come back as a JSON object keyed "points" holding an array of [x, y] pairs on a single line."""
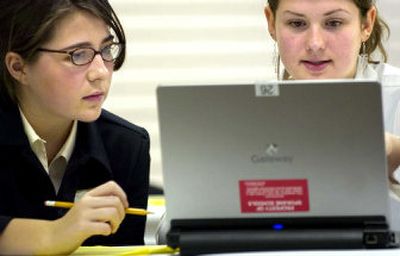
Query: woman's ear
{"points": [[15, 66], [368, 23], [271, 22]]}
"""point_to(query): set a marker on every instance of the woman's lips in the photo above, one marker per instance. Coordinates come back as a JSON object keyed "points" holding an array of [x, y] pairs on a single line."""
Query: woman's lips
{"points": [[316, 66], [94, 97]]}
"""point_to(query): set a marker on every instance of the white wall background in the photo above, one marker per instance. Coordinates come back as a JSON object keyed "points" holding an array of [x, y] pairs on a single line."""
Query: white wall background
{"points": [[389, 9], [196, 41]]}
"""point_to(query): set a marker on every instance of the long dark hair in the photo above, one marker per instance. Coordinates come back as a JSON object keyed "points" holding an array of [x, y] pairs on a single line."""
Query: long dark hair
{"points": [[25, 25]]}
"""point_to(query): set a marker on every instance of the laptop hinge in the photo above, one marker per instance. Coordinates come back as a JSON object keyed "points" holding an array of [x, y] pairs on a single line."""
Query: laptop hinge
{"points": [[200, 239], [378, 235]]}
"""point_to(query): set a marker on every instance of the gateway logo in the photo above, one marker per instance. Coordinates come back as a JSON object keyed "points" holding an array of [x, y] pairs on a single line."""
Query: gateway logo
{"points": [[272, 149], [271, 155]]}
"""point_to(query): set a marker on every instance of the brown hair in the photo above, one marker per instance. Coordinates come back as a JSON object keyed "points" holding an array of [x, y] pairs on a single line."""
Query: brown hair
{"points": [[25, 25], [374, 42]]}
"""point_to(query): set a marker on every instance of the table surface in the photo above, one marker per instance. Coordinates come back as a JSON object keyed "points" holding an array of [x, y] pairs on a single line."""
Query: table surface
{"points": [[163, 250]]}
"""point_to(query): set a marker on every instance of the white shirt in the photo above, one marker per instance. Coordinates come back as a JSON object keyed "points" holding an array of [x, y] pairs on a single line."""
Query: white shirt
{"points": [[57, 166], [389, 78]]}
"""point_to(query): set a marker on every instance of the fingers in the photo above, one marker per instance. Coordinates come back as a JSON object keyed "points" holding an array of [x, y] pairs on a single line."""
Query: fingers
{"points": [[99, 212], [101, 228], [388, 143], [107, 216], [107, 209], [392, 143], [110, 189], [106, 202]]}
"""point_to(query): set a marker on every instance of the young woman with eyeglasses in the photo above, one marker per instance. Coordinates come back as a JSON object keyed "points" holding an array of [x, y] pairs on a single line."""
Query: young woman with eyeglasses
{"points": [[56, 141]]}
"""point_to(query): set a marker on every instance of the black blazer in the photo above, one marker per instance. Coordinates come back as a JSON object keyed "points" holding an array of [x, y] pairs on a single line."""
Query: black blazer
{"points": [[109, 148]]}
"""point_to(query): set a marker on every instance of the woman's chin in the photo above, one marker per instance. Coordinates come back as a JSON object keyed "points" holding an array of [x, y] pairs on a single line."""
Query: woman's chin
{"points": [[89, 116]]}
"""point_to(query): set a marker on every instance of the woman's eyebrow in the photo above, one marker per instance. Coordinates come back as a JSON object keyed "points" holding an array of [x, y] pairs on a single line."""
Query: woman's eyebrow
{"points": [[325, 14], [293, 13], [87, 44], [336, 11], [108, 39]]}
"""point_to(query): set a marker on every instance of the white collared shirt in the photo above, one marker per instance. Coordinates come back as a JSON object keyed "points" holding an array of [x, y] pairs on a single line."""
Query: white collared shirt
{"points": [[58, 165], [390, 79]]}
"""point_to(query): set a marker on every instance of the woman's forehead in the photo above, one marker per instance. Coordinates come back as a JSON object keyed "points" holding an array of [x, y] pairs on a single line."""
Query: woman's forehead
{"points": [[317, 4], [79, 26]]}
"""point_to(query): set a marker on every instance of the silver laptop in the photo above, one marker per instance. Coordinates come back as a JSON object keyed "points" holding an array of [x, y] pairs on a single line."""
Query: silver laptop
{"points": [[273, 152]]}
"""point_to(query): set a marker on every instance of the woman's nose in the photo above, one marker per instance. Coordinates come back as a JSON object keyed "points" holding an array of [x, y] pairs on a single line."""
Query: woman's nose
{"points": [[316, 40], [98, 68]]}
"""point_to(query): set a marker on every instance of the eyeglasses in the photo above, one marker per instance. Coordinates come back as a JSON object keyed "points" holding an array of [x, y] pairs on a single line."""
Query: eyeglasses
{"points": [[85, 55]]}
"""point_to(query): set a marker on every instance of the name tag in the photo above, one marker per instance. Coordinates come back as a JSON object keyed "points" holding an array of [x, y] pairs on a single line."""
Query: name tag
{"points": [[79, 194]]}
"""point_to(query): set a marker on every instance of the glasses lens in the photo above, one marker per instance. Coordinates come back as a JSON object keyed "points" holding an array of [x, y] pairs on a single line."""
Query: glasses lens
{"points": [[111, 52], [82, 56]]}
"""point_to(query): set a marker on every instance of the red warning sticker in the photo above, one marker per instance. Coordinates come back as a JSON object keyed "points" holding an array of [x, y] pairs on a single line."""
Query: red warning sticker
{"points": [[261, 196]]}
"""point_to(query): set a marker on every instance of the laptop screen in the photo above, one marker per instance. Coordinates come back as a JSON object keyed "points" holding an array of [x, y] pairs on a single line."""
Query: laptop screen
{"points": [[299, 148]]}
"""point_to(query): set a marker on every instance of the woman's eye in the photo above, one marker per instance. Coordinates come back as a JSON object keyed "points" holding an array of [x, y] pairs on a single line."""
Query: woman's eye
{"points": [[107, 51], [80, 54], [333, 23], [297, 23]]}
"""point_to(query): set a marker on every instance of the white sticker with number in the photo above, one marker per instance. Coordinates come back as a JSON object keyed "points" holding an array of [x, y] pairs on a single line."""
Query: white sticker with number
{"points": [[269, 89]]}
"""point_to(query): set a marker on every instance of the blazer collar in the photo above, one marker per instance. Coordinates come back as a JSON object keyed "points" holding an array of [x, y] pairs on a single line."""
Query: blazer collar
{"points": [[90, 145]]}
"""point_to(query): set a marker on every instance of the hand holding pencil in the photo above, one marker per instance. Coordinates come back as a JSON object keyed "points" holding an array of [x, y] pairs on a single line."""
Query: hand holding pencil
{"points": [[100, 211]]}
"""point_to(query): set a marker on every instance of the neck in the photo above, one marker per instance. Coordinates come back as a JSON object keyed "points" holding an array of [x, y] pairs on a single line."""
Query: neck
{"points": [[55, 137], [54, 131]]}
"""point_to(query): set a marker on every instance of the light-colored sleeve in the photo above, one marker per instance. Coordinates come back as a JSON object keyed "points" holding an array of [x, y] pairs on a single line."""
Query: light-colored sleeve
{"points": [[396, 187], [395, 203], [395, 209], [390, 79]]}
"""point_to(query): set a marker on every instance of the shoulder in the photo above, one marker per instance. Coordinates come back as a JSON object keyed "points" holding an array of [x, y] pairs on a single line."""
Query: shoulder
{"points": [[389, 75], [388, 69], [113, 125]]}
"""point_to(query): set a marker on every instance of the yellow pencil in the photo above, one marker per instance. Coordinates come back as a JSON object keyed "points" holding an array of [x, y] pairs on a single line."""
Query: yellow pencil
{"points": [[61, 204]]}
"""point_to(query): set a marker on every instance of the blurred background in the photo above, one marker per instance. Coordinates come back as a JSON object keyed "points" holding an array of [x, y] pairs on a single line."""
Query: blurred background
{"points": [[197, 41]]}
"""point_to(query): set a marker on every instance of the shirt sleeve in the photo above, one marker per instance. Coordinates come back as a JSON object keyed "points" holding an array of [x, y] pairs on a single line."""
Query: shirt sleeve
{"points": [[394, 202], [396, 190]]}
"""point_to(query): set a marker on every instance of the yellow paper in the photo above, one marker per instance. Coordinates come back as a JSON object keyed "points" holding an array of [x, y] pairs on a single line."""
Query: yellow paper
{"points": [[124, 250], [155, 200]]}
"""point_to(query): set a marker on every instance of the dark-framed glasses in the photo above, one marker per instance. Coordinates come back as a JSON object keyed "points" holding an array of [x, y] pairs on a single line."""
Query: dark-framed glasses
{"points": [[84, 55]]}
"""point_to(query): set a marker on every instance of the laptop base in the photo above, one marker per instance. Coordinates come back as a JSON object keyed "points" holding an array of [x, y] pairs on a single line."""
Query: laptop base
{"points": [[238, 235]]}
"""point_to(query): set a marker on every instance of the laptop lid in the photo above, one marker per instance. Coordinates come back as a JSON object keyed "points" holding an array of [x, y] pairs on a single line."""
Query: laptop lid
{"points": [[287, 149]]}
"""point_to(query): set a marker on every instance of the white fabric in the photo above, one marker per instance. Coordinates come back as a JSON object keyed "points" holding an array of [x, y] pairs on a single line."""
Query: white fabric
{"points": [[57, 166], [389, 77]]}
